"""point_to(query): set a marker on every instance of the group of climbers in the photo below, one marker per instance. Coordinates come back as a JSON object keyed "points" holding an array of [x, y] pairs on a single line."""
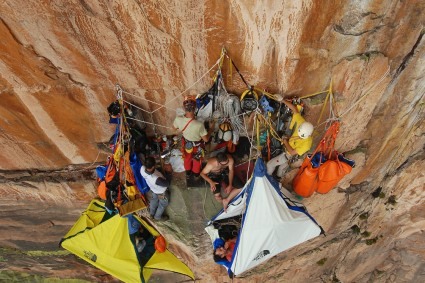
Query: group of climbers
{"points": [[132, 174], [218, 170], [283, 135]]}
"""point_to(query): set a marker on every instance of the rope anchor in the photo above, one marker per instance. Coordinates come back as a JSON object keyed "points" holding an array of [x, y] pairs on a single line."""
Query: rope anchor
{"points": [[119, 91]]}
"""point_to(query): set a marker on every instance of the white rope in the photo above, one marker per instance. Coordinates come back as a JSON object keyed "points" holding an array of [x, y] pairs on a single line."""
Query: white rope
{"points": [[154, 124], [367, 92], [334, 117], [228, 105], [232, 109], [179, 95], [89, 167], [246, 131], [135, 106], [120, 91], [250, 141], [327, 122], [148, 100]]}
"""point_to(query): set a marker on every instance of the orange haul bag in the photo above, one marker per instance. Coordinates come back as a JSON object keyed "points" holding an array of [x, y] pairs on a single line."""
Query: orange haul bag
{"points": [[305, 182], [330, 173], [102, 189]]}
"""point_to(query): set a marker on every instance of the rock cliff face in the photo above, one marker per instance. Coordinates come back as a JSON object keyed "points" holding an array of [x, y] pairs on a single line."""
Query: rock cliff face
{"points": [[60, 61]]}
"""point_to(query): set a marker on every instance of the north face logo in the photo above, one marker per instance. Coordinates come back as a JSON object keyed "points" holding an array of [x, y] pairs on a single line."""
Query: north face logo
{"points": [[262, 254], [90, 256]]}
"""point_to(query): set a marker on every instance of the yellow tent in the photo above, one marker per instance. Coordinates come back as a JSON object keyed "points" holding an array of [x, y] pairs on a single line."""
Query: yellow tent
{"points": [[104, 241]]}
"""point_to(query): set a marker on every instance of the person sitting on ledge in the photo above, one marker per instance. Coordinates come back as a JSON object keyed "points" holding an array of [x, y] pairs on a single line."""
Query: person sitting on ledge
{"points": [[220, 170]]}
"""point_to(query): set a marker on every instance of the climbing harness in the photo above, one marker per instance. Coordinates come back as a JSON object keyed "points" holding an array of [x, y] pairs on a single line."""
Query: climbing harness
{"points": [[225, 131]]}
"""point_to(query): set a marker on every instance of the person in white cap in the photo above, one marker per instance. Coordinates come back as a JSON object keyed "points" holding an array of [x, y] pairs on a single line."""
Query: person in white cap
{"points": [[299, 143]]}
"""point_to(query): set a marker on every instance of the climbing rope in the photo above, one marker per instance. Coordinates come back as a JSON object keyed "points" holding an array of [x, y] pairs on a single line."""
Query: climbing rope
{"points": [[179, 95], [121, 91], [367, 92], [90, 166], [153, 124], [150, 101], [231, 110]]}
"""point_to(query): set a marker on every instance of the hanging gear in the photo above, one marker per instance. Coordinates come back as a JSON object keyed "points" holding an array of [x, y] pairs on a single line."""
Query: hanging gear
{"points": [[249, 100], [322, 170], [204, 98], [114, 108], [225, 131], [265, 105], [188, 146], [275, 149], [284, 116], [199, 153], [208, 99]]}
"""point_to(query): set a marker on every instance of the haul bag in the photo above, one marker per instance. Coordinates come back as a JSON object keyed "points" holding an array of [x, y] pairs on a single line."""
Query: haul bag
{"points": [[330, 173], [305, 182], [106, 175], [102, 189]]}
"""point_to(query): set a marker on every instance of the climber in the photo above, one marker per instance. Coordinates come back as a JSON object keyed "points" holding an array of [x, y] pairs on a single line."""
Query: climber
{"points": [[158, 184], [220, 170], [299, 143], [194, 135], [223, 250]]}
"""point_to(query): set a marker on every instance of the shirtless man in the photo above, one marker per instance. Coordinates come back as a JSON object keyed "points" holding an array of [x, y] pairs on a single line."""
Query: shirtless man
{"points": [[218, 170]]}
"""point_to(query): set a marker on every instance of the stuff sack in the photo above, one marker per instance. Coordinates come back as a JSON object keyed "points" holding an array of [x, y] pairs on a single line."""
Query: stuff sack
{"points": [[108, 179], [102, 190], [330, 173], [306, 180]]}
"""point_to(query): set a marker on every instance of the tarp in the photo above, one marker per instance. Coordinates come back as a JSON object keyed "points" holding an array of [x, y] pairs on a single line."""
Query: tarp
{"points": [[105, 242], [271, 222]]}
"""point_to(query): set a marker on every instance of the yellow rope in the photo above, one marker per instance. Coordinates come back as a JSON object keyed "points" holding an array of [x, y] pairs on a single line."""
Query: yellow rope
{"points": [[272, 130], [323, 107], [314, 94], [220, 64], [268, 94]]}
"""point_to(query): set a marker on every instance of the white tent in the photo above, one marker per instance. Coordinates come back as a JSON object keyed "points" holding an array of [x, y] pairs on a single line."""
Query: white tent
{"points": [[271, 222]]}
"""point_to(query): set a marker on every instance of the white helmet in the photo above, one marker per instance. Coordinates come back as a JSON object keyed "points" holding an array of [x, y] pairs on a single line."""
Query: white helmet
{"points": [[305, 130]]}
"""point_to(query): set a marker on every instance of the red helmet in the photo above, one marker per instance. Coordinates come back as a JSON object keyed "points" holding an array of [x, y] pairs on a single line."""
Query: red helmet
{"points": [[189, 104]]}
